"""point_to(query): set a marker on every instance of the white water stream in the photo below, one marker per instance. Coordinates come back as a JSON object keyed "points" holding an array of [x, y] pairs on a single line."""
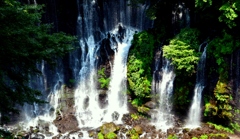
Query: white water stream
{"points": [[194, 116], [117, 97], [88, 111], [164, 119], [39, 116], [96, 19]]}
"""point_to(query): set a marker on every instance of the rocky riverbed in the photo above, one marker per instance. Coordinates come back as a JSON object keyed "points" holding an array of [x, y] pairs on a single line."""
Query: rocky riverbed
{"points": [[133, 127]]}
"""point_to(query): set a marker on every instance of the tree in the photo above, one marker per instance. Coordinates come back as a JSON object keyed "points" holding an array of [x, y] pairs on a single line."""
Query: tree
{"points": [[24, 43], [139, 63], [229, 10], [182, 50]]}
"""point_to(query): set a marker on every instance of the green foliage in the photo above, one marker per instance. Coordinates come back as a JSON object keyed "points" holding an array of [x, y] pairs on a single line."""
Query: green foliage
{"points": [[203, 3], [194, 138], [181, 92], [25, 41], [221, 128], [223, 97], [235, 126], [111, 135], [172, 137], [135, 116], [137, 102], [103, 80], [228, 10], [229, 13], [182, 50], [100, 135], [139, 63], [133, 134], [218, 135], [220, 47], [219, 106], [6, 135], [210, 109], [204, 136], [142, 109]]}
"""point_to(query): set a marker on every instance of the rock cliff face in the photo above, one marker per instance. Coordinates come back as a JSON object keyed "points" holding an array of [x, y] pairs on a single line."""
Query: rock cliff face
{"points": [[96, 19], [99, 26]]}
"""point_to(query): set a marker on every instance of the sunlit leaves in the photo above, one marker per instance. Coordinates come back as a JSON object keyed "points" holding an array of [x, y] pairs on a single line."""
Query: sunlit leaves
{"points": [[182, 50], [203, 3], [228, 10], [139, 63], [222, 94], [229, 13]]}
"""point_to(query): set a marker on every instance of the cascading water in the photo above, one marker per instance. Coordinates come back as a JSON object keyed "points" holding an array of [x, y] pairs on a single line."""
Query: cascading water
{"points": [[163, 119], [44, 115], [96, 20], [117, 89], [194, 116], [99, 20], [88, 111]]}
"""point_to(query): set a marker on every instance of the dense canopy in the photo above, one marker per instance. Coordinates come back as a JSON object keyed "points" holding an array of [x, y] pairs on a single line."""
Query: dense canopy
{"points": [[25, 42]]}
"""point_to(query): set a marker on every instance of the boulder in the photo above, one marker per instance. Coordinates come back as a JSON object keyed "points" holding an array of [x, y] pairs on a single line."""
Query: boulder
{"points": [[66, 124], [151, 104], [138, 129], [109, 127]]}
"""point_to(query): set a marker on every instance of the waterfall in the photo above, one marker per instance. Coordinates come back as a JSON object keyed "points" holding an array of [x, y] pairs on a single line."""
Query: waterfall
{"points": [[43, 115], [163, 119], [117, 99], [98, 21], [88, 111], [194, 116]]}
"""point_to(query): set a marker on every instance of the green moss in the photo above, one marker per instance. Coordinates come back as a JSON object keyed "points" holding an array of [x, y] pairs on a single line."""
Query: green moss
{"points": [[111, 135], [221, 128], [218, 135], [133, 134], [100, 135], [102, 78], [204, 136], [135, 116], [235, 126], [172, 137]]}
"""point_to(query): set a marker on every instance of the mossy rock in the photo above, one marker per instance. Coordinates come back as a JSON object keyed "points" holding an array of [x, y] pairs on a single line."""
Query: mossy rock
{"points": [[109, 127], [218, 136], [111, 135], [185, 130], [138, 129]]}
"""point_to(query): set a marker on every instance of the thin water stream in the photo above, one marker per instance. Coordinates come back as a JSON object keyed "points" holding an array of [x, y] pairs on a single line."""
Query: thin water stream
{"points": [[194, 116], [163, 119]]}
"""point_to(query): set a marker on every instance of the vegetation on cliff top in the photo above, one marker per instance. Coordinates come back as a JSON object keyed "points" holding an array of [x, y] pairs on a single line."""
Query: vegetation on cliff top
{"points": [[217, 24], [25, 41]]}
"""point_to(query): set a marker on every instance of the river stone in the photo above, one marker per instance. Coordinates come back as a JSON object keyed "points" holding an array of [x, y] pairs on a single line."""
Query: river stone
{"points": [[138, 129], [67, 123], [151, 104], [109, 127]]}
